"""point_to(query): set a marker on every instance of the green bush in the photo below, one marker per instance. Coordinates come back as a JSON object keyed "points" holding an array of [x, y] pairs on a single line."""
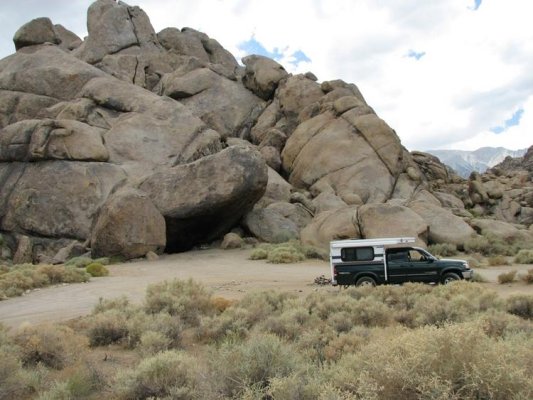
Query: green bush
{"points": [[96, 269], [259, 253], [187, 299], [170, 374], [524, 257], [507, 277], [443, 249]]}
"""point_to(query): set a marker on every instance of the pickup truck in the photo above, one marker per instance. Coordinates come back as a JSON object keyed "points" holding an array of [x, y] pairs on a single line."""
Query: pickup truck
{"points": [[370, 262]]}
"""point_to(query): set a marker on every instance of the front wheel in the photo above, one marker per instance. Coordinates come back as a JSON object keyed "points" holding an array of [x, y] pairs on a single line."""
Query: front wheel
{"points": [[366, 281], [450, 277]]}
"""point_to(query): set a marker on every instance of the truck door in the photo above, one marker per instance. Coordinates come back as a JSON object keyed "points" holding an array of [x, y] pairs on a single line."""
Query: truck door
{"points": [[420, 268], [397, 265]]}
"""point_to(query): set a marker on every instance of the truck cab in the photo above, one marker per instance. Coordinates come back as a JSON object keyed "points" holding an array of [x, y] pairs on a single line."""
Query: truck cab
{"points": [[390, 261]]}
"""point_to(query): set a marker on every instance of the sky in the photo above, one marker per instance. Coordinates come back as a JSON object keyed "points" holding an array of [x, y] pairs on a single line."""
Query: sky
{"points": [[444, 74]]}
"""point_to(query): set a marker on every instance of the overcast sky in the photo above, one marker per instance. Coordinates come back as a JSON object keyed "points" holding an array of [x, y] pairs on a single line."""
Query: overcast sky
{"points": [[442, 73]]}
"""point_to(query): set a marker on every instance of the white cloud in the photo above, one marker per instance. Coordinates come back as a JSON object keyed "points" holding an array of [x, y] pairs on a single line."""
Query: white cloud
{"points": [[476, 70]]}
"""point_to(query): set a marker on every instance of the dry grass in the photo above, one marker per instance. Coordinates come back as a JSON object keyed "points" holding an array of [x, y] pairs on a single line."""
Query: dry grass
{"points": [[411, 342]]}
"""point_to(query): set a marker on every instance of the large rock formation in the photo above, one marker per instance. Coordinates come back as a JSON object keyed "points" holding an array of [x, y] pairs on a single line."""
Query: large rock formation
{"points": [[133, 141]]}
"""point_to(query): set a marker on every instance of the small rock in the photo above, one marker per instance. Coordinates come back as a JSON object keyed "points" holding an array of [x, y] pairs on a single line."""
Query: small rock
{"points": [[231, 241], [151, 256]]}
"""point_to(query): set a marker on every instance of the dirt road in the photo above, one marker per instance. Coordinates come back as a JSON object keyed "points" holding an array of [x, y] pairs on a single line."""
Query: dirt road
{"points": [[228, 273]]}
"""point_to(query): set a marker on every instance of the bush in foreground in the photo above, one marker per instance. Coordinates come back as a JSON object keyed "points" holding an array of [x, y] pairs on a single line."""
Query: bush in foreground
{"points": [[171, 374]]}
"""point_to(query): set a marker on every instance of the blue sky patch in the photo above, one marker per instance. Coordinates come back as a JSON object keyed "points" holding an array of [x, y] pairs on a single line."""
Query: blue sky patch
{"points": [[252, 46], [416, 55], [513, 121], [299, 56]]}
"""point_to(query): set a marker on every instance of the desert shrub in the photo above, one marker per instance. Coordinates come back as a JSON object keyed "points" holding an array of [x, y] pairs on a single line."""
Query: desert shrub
{"points": [[290, 324], [454, 361], [169, 326], [528, 277], [80, 383], [107, 327], [152, 343], [347, 342], [477, 277], [285, 254], [507, 277], [521, 305], [477, 244], [498, 260], [24, 277], [96, 269], [221, 304], [79, 262], [52, 346], [252, 364], [524, 257], [239, 318], [121, 303], [491, 245], [170, 374], [187, 299], [500, 324], [443, 249], [301, 386], [14, 380], [259, 253]]}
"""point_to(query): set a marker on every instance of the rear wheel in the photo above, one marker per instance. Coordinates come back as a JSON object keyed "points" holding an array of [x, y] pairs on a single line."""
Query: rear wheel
{"points": [[365, 281], [450, 277]]}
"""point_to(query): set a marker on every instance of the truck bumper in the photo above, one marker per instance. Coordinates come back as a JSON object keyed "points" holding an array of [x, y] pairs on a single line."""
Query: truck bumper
{"points": [[467, 275]]}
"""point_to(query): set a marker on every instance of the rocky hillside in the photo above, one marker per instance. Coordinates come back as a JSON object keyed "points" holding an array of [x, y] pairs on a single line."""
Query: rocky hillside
{"points": [[133, 141], [465, 162]]}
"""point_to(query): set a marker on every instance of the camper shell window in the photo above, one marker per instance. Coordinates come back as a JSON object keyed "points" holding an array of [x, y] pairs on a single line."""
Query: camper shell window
{"points": [[357, 254]]}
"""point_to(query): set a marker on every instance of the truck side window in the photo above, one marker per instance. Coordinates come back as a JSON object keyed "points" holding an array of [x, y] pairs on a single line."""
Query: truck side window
{"points": [[357, 254]]}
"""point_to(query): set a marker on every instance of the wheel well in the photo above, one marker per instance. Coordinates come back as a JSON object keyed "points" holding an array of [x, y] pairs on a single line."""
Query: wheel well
{"points": [[454, 271], [366, 275]]}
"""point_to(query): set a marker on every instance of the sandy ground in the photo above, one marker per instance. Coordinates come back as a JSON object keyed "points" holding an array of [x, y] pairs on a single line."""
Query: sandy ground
{"points": [[228, 273]]}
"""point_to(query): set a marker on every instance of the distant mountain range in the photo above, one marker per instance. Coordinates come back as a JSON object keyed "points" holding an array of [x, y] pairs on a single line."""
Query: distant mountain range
{"points": [[465, 162]]}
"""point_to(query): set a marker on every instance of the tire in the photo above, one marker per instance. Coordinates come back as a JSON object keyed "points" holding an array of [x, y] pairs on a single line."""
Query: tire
{"points": [[365, 281], [450, 277]]}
